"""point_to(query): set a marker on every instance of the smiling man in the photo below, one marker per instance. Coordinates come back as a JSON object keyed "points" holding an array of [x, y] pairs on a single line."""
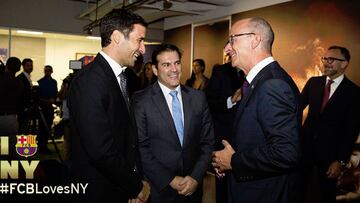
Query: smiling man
{"points": [[175, 132], [103, 126], [333, 121], [264, 151]]}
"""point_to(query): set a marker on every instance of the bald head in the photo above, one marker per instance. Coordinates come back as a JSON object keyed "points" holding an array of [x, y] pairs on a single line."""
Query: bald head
{"points": [[250, 41], [262, 28]]}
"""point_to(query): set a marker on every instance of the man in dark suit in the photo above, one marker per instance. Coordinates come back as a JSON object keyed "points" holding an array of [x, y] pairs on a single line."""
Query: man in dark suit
{"points": [[175, 132], [25, 100], [221, 92], [332, 123], [265, 145], [47, 97], [104, 152]]}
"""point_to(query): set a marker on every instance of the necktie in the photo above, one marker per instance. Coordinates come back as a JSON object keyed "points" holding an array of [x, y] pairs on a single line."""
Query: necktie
{"points": [[245, 88], [177, 116], [124, 88], [326, 94]]}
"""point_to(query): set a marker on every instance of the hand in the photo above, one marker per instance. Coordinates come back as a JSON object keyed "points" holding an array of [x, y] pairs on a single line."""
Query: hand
{"points": [[222, 159], [334, 169], [189, 186], [137, 200], [218, 173], [143, 195], [236, 96], [175, 183]]}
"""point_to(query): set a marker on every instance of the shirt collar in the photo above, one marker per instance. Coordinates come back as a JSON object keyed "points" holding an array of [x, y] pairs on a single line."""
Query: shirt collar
{"points": [[166, 91], [27, 74], [336, 80], [258, 67], [117, 68]]}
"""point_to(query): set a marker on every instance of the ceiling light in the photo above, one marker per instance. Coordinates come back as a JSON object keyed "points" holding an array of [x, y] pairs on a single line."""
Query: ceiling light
{"points": [[29, 32], [93, 38]]}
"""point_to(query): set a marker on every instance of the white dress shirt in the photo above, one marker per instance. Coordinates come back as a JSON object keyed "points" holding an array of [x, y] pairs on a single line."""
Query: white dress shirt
{"points": [[166, 91]]}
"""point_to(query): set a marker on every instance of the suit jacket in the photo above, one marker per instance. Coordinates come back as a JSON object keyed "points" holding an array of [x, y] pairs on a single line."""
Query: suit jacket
{"points": [[103, 135], [223, 83], [161, 153], [25, 100], [330, 135], [266, 140]]}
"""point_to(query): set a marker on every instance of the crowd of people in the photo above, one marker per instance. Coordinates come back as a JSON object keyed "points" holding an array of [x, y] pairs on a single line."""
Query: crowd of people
{"points": [[134, 133]]}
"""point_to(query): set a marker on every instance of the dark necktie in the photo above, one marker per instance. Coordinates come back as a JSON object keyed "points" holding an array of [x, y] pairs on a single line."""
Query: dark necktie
{"points": [[245, 88], [124, 88], [177, 116], [326, 94]]}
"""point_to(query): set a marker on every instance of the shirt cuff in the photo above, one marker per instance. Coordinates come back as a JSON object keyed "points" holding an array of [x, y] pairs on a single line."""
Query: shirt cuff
{"points": [[229, 103]]}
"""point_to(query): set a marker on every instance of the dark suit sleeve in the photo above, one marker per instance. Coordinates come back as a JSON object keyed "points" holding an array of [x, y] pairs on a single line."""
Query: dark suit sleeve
{"points": [[215, 92], [351, 128], [89, 99], [277, 115], [207, 142], [305, 95]]}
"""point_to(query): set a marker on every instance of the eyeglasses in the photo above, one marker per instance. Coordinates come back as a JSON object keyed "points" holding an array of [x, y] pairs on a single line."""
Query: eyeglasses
{"points": [[232, 37], [330, 60]]}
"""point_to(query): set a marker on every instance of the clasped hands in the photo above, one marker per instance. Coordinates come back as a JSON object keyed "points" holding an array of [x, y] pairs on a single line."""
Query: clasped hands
{"points": [[221, 160], [184, 185]]}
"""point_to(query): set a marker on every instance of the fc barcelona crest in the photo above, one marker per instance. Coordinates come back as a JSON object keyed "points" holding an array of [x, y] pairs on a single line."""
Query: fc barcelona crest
{"points": [[26, 145]]}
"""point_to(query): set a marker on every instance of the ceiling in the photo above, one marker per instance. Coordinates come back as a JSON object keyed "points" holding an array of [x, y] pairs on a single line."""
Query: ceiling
{"points": [[153, 11]]}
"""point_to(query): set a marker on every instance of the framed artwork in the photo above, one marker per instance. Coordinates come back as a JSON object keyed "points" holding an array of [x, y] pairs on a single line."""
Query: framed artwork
{"points": [[85, 58]]}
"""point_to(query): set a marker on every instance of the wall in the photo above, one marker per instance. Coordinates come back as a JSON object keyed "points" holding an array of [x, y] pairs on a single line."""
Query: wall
{"points": [[60, 51], [209, 40], [181, 37], [305, 29], [30, 47]]}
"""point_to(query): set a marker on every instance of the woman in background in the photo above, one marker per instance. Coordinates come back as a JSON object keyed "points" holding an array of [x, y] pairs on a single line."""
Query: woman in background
{"points": [[198, 80]]}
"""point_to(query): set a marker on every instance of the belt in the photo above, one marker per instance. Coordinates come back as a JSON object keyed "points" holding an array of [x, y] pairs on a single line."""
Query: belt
{"points": [[6, 113]]}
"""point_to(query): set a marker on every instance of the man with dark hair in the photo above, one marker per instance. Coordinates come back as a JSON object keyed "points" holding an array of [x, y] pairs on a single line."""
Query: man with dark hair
{"points": [[47, 97], [25, 100], [104, 144], [332, 123], [175, 132], [264, 151]]}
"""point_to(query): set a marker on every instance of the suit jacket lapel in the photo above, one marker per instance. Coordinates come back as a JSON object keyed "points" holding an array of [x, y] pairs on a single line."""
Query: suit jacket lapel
{"points": [[252, 89], [338, 93], [186, 100], [159, 101]]}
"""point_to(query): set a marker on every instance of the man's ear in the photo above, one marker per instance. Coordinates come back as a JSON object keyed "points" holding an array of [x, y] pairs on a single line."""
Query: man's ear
{"points": [[256, 41], [117, 37], [154, 69], [344, 65]]}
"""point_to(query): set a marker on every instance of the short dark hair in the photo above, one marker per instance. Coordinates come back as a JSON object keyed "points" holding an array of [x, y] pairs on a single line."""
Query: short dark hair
{"points": [[13, 64], [48, 66], [164, 47], [118, 19], [344, 51], [25, 61]]}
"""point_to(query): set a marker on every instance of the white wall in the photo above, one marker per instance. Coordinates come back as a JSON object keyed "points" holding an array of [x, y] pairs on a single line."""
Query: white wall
{"points": [[58, 52]]}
